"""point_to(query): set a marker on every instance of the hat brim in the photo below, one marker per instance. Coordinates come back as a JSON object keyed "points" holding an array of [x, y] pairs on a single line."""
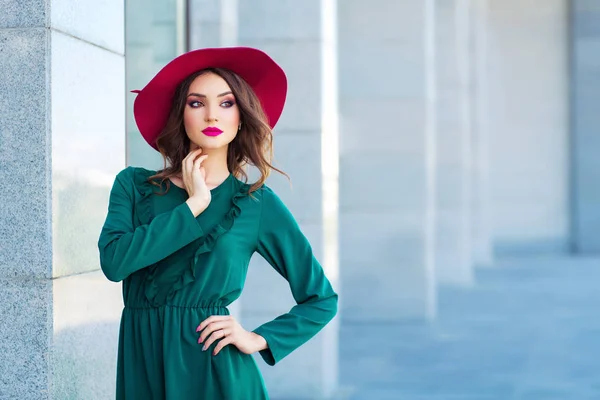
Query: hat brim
{"points": [[153, 103]]}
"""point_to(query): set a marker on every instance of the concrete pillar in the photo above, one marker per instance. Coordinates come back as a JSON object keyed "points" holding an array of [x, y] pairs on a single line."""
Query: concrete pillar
{"points": [[62, 121], [529, 126], [585, 120], [453, 258], [213, 23], [300, 36], [387, 161], [155, 34], [481, 222]]}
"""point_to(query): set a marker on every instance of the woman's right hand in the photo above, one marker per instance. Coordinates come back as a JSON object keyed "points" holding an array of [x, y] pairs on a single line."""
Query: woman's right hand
{"points": [[193, 177]]}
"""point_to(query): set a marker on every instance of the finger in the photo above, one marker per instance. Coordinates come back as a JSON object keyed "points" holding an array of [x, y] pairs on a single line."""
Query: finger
{"points": [[220, 334], [215, 326], [199, 161], [211, 319], [221, 344], [192, 154], [188, 161]]}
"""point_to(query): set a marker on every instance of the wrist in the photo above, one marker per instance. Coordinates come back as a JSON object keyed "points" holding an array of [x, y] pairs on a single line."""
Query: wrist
{"points": [[195, 205], [259, 342]]}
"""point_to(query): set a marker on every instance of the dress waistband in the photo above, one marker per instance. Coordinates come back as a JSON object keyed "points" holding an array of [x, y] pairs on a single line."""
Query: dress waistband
{"points": [[200, 307]]}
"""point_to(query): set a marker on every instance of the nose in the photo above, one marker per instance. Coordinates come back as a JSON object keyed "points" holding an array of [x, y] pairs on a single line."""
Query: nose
{"points": [[210, 116]]}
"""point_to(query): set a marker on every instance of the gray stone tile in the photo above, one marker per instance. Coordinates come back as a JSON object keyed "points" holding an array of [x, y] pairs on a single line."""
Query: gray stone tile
{"points": [[24, 13], [98, 22], [25, 332], [24, 156]]}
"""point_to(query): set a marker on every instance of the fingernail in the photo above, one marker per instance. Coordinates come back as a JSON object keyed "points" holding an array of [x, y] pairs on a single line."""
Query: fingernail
{"points": [[204, 348]]}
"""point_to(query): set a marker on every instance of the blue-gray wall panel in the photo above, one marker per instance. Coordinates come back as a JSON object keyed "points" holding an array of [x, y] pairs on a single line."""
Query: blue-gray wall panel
{"points": [[585, 36]]}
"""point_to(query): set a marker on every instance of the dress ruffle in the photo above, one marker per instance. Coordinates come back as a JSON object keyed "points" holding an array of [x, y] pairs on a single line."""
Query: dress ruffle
{"points": [[156, 290]]}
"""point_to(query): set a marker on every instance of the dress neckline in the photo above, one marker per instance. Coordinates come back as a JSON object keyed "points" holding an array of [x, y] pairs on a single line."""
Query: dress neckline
{"points": [[213, 191]]}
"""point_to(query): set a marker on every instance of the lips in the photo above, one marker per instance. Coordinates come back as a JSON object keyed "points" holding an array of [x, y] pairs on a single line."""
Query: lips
{"points": [[212, 131]]}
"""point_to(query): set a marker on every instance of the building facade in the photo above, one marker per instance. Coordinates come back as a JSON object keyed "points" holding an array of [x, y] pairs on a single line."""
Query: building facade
{"points": [[424, 140]]}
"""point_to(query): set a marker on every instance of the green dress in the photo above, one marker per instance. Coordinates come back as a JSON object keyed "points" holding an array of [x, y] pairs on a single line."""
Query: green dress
{"points": [[178, 269]]}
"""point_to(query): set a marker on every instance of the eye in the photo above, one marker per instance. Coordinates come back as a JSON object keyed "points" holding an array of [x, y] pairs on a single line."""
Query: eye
{"points": [[228, 103], [194, 104]]}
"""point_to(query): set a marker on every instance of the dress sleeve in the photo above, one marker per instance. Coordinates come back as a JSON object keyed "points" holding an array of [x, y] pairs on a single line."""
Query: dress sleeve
{"points": [[287, 250], [125, 249]]}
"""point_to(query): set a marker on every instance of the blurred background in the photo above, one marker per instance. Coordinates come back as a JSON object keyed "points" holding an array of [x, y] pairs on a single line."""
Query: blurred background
{"points": [[444, 164]]}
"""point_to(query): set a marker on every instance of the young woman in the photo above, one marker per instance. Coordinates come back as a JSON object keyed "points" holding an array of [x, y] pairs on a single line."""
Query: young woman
{"points": [[181, 238]]}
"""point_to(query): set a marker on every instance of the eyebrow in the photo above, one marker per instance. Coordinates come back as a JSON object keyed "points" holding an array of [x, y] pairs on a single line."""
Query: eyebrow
{"points": [[203, 95]]}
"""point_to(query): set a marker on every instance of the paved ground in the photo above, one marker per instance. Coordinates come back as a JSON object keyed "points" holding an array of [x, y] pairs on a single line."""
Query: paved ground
{"points": [[528, 330]]}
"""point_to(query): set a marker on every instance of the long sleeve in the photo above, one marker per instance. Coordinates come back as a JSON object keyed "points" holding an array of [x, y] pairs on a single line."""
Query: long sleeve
{"points": [[287, 250], [125, 249]]}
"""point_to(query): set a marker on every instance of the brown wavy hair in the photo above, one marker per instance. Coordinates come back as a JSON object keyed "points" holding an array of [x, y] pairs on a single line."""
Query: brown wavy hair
{"points": [[253, 144]]}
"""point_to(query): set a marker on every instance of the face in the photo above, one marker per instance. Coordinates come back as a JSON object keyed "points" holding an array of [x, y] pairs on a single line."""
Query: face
{"points": [[211, 116]]}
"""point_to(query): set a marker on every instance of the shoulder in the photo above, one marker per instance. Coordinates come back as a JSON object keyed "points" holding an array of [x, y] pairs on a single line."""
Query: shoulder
{"points": [[271, 204], [126, 174], [133, 178], [266, 195]]}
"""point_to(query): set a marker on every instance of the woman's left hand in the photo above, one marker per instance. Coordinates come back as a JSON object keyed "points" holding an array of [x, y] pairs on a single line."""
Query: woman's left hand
{"points": [[229, 331]]}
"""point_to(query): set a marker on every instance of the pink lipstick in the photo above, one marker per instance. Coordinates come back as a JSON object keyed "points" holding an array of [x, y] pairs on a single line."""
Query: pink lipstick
{"points": [[212, 131]]}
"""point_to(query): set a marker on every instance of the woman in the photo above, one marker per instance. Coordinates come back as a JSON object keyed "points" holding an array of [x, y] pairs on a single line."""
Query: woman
{"points": [[181, 238]]}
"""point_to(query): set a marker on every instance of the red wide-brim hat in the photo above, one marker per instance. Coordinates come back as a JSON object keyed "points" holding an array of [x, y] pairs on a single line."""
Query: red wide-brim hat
{"points": [[153, 103]]}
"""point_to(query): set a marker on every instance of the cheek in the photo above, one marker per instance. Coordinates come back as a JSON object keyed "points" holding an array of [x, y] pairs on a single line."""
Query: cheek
{"points": [[234, 120], [188, 119]]}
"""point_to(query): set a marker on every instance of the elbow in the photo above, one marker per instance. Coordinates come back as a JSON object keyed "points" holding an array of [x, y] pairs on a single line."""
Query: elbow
{"points": [[333, 309], [111, 273], [328, 307], [110, 269]]}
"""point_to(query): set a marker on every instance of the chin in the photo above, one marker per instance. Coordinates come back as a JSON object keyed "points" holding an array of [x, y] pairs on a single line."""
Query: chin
{"points": [[212, 143]]}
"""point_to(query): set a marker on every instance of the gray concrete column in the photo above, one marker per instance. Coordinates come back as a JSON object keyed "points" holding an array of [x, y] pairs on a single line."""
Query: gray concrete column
{"points": [[481, 223], [155, 34], [585, 120], [300, 36], [387, 162], [213, 23], [453, 259], [63, 140], [529, 126]]}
